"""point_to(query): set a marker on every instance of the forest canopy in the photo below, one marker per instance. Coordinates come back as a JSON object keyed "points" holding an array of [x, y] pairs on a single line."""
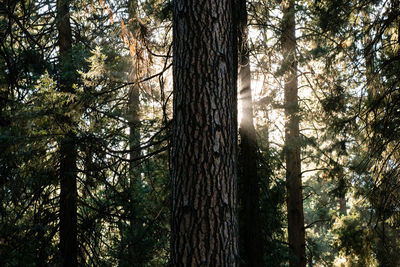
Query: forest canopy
{"points": [[200, 133]]}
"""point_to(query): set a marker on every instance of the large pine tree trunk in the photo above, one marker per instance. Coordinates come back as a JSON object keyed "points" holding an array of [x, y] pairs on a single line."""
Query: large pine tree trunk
{"points": [[296, 231], [204, 221], [249, 187], [68, 150]]}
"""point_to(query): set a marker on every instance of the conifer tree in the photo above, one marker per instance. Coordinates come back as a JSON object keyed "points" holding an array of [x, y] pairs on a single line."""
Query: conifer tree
{"points": [[251, 241], [68, 148], [296, 230], [204, 219]]}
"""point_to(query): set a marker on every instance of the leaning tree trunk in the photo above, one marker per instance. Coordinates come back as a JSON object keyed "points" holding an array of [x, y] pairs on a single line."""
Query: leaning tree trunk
{"points": [[251, 242], [204, 222], [296, 231], [68, 150]]}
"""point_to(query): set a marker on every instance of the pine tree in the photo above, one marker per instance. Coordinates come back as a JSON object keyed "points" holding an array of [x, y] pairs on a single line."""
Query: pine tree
{"points": [[204, 220], [296, 231], [68, 149], [251, 241]]}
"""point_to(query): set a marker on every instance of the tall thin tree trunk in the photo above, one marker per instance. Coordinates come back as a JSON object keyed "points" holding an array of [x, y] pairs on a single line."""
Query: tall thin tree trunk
{"points": [[204, 136], [134, 133], [249, 186], [296, 231], [68, 150], [369, 56], [134, 255], [134, 176], [343, 205], [342, 193], [134, 105]]}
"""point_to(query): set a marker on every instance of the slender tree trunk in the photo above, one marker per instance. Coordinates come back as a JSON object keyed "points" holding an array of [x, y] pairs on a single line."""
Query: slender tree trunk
{"points": [[134, 244], [249, 187], [369, 56], [343, 205], [342, 193], [204, 136], [134, 176], [134, 105], [296, 231], [68, 150], [134, 133]]}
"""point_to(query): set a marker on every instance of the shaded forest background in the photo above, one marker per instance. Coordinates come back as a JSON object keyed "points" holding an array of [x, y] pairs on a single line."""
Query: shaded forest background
{"points": [[86, 120]]}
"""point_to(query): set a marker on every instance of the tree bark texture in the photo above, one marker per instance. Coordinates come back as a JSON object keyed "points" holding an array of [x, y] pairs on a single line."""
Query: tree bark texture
{"points": [[251, 242], [296, 230], [68, 150], [204, 137]]}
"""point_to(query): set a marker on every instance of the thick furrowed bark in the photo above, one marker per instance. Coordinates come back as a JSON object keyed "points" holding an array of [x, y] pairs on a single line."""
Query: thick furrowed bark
{"points": [[204, 223]]}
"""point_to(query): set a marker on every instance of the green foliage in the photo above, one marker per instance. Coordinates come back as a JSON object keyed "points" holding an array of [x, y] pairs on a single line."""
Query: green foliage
{"points": [[319, 51], [272, 202], [354, 239], [162, 10], [332, 15]]}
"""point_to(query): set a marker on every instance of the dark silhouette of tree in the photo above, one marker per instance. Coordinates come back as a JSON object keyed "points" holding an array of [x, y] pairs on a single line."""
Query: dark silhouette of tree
{"points": [[251, 241], [67, 146], [296, 231]]}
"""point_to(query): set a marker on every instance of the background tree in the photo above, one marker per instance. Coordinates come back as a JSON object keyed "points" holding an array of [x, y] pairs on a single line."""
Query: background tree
{"points": [[67, 146], [252, 245], [296, 231]]}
